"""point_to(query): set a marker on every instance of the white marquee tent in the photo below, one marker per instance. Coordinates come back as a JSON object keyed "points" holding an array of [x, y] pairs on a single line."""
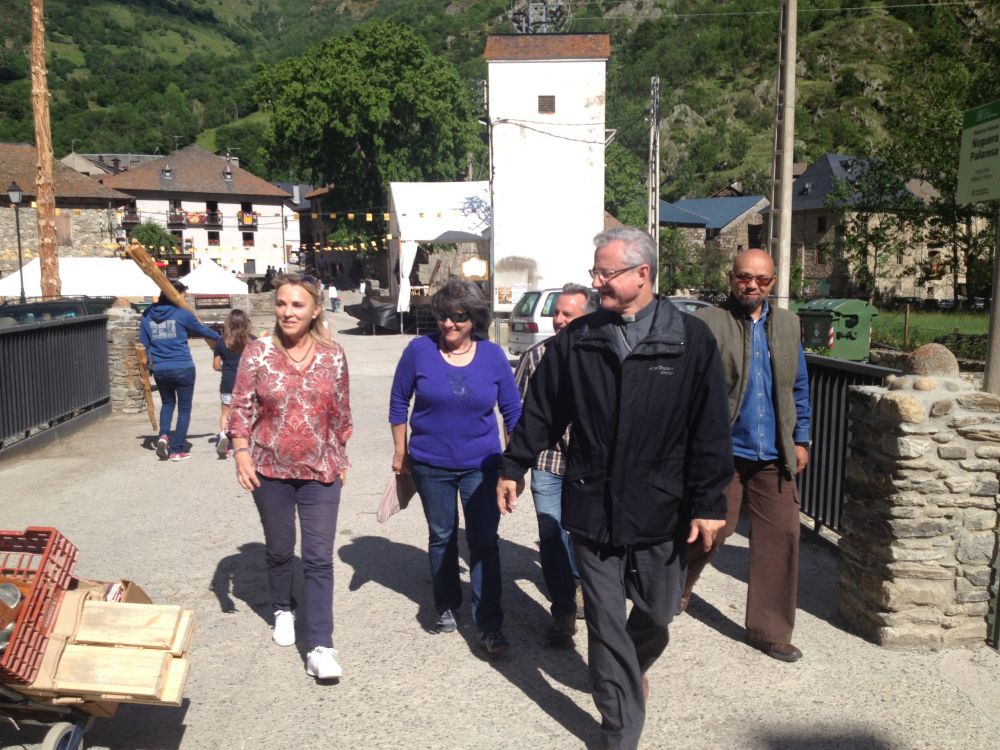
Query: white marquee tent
{"points": [[211, 278], [96, 277], [442, 212]]}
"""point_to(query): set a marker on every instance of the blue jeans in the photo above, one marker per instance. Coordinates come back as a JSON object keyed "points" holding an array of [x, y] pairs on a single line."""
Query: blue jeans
{"points": [[317, 505], [556, 552], [176, 387], [476, 488]]}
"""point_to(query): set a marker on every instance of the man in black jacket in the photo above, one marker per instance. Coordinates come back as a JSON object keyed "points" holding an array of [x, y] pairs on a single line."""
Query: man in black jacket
{"points": [[647, 465]]}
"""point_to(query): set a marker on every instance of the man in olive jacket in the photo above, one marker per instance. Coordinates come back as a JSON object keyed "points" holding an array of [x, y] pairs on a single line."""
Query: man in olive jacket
{"points": [[647, 464], [765, 371]]}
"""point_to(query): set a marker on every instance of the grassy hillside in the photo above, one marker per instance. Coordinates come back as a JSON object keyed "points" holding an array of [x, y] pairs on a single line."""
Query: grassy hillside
{"points": [[140, 75]]}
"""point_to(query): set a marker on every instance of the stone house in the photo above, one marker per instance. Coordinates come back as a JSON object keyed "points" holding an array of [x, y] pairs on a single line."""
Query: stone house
{"points": [[85, 209], [715, 229], [817, 227], [216, 209]]}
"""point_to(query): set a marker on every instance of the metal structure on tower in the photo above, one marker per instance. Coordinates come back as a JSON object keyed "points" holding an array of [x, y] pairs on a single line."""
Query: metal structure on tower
{"points": [[539, 16]]}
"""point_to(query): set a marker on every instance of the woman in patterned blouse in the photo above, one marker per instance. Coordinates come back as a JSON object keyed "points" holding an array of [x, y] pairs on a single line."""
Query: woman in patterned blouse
{"points": [[289, 422]]}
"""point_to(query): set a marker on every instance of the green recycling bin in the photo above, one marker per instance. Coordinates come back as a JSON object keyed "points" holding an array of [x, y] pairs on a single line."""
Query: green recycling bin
{"points": [[839, 328]]}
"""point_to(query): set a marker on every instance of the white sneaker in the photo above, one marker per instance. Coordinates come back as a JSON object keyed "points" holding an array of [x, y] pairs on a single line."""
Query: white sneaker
{"points": [[322, 664], [284, 628]]}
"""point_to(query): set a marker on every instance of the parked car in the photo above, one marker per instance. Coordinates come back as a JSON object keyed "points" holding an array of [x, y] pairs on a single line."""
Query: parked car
{"points": [[531, 319], [688, 305]]}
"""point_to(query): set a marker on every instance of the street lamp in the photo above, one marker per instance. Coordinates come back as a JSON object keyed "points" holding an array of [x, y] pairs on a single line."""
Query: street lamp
{"points": [[14, 193]]}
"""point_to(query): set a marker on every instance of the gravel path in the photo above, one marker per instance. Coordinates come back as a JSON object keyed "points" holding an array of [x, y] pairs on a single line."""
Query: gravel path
{"points": [[189, 535]]}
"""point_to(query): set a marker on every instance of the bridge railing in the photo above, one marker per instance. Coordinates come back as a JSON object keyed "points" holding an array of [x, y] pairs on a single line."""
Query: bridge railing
{"points": [[821, 484], [50, 372]]}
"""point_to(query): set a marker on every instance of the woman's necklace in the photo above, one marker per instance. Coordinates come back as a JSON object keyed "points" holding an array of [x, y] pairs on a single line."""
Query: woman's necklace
{"points": [[298, 362], [454, 352]]}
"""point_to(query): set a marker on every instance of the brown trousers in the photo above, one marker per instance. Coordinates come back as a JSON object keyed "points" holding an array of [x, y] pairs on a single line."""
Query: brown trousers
{"points": [[773, 504]]}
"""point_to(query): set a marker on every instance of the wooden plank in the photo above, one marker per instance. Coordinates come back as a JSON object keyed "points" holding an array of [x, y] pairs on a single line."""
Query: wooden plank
{"points": [[172, 694], [137, 252], [185, 630], [147, 387], [120, 624], [136, 672]]}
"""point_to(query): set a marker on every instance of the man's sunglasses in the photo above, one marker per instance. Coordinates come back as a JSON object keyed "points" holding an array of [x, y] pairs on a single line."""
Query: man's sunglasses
{"points": [[454, 317], [746, 278]]}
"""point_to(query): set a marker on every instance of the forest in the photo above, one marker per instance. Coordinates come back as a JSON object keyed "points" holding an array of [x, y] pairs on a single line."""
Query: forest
{"points": [[148, 75]]}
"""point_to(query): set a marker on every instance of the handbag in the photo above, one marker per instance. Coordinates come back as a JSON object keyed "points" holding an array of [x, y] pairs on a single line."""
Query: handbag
{"points": [[398, 492]]}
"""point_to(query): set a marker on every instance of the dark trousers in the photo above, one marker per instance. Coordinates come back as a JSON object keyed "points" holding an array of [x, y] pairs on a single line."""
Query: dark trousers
{"points": [[772, 501], [623, 648], [176, 388], [317, 505]]}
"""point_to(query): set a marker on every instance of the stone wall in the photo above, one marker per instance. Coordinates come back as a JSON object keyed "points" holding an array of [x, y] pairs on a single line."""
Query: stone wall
{"points": [[123, 364], [88, 230], [919, 526]]}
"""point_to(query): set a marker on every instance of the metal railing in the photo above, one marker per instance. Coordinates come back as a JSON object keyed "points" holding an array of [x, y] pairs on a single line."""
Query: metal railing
{"points": [[50, 372], [821, 484]]}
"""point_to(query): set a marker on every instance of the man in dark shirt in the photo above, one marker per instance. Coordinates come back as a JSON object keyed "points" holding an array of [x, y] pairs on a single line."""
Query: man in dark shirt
{"points": [[647, 464]]}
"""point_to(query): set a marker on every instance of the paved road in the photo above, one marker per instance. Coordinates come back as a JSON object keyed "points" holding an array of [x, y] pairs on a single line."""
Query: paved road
{"points": [[189, 535]]}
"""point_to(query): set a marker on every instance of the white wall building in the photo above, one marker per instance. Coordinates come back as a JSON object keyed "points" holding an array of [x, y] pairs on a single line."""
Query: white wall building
{"points": [[547, 128], [214, 207]]}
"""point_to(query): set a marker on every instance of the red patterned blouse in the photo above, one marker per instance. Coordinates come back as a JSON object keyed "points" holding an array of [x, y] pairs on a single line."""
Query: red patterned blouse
{"points": [[297, 422]]}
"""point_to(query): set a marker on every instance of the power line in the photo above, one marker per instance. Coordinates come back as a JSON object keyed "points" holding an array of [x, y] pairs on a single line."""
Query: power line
{"points": [[770, 12]]}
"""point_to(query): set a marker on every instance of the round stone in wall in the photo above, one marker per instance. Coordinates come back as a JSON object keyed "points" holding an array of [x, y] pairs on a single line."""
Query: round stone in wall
{"points": [[932, 359]]}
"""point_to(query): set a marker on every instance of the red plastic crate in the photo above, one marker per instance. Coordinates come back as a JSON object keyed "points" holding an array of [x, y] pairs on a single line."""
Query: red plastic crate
{"points": [[45, 559]]}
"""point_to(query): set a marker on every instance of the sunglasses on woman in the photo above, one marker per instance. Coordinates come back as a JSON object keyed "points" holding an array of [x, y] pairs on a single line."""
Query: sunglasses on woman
{"points": [[454, 317]]}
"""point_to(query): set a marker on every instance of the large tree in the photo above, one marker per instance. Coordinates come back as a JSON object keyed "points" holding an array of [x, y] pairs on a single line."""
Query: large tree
{"points": [[953, 69], [365, 109]]}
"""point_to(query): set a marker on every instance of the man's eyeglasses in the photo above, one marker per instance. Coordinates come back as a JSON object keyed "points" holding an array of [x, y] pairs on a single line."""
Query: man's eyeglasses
{"points": [[604, 276], [454, 317], [746, 278]]}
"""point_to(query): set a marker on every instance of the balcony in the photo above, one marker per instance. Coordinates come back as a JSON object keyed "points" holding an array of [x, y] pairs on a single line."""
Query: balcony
{"points": [[176, 217], [247, 219], [131, 216], [213, 218]]}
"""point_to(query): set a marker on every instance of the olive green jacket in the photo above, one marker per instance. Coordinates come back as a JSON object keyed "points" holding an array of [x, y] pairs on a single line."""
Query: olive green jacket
{"points": [[729, 325]]}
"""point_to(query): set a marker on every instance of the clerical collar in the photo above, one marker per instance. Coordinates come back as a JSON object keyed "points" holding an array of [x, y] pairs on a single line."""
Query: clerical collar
{"points": [[643, 313]]}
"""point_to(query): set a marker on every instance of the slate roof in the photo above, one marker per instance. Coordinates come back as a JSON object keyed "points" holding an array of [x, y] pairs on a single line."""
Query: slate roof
{"points": [[193, 170], [304, 190], [711, 213], [106, 162], [812, 188], [547, 47], [18, 164]]}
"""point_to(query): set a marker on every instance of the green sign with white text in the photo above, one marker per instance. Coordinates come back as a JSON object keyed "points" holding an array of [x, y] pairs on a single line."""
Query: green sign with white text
{"points": [[979, 163]]}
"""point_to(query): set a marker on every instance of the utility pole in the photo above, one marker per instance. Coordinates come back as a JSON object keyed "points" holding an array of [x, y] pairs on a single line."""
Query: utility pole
{"points": [[780, 228], [45, 197], [653, 178]]}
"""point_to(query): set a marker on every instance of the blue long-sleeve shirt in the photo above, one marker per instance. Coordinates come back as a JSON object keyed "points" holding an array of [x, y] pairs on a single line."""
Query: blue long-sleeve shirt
{"points": [[452, 424], [755, 430]]}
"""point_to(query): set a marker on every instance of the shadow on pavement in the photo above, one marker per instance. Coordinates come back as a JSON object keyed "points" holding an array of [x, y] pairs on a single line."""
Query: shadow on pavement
{"points": [[392, 565], [149, 727], [836, 738], [244, 576], [148, 442]]}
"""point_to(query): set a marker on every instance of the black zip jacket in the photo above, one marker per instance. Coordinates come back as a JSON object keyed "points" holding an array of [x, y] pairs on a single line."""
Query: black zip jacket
{"points": [[650, 441]]}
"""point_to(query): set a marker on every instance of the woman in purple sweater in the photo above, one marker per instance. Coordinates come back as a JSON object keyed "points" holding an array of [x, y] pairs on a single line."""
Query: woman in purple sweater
{"points": [[456, 379]]}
